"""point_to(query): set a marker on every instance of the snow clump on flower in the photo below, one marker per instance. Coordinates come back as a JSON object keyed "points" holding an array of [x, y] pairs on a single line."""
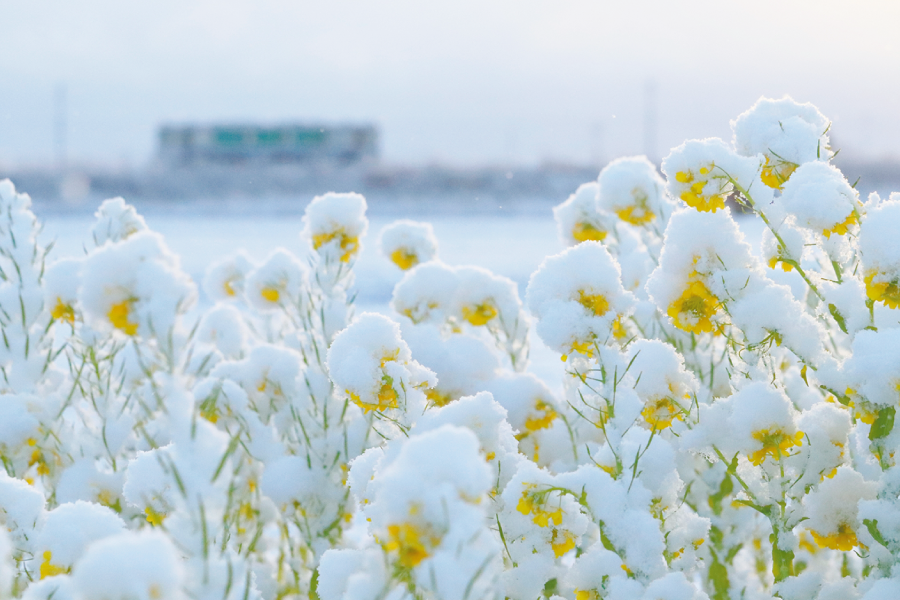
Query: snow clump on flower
{"points": [[701, 173], [135, 286], [576, 306], [334, 224], [407, 243], [787, 133], [632, 190], [579, 218]]}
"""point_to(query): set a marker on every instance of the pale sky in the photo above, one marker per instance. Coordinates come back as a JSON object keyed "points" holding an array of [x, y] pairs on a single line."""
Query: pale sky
{"points": [[464, 82]]}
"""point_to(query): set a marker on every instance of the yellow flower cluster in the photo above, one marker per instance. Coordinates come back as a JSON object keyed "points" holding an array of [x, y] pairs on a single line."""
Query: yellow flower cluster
{"points": [[349, 244], [63, 311], [533, 503], [695, 307], [843, 539], [887, 292], [595, 303], [48, 569], [775, 443], [694, 196], [775, 174], [404, 258], [639, 213], [842, 227], [785, 266], [387, 396], [410, 542], [541, 418], [271, 294], [118, 316], [479, 314], [583, 232], [661, 411]]}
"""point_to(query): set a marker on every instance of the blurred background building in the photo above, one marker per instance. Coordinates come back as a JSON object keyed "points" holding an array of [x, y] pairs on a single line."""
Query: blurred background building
{"points": [[251, 144]]}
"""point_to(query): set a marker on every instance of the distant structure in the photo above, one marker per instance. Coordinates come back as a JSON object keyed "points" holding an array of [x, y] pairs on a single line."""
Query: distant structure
{"points": [[206, 145]]}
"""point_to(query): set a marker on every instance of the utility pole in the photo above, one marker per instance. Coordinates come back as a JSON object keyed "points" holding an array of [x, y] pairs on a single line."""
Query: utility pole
{"points": [[60, 127], [650, 120]]}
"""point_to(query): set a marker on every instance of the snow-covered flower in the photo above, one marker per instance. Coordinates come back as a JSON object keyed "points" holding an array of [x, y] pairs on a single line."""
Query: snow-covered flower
{"points": [[130, 566], [631, 188], [61, 282], [116, 221], [661, 382], [277, 283], [425, 293], [334, 224], [578, 299], [763, 424], [832, 509], [68, 530], [225, 278], [135, 286], [579, 218], [786, 132], [373, 366], [407, 243], [820, 198], [879, 246], [701, 172]]}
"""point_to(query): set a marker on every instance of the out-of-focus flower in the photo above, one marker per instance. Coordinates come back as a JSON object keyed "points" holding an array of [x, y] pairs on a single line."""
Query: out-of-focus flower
{"points": [[407, 243]]}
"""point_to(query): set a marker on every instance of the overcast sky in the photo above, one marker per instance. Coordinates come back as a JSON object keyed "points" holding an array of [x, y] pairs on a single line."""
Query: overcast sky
{"points": [[464, 82]]}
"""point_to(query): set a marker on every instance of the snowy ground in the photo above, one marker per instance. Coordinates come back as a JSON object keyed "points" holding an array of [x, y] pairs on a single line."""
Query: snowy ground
{"points": [[513, 246]]}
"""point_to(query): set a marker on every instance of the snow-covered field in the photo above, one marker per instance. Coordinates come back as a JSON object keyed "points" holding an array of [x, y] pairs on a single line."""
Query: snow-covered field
{"points": [[710, 433], [510, 245]]}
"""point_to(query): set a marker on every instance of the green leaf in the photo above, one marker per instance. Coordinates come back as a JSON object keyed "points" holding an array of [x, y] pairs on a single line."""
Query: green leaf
{"points": [[837, 317], [884, 423], [725, 488], [872, 526], [718, 575]]}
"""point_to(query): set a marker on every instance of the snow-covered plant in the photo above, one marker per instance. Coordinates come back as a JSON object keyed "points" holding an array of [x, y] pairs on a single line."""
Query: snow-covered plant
{"points": [[725, 428]]}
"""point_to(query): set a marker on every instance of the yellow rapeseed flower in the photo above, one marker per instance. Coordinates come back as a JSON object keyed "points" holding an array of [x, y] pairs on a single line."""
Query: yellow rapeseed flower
{"points": [[586, 347], [404, 258], [541, 418], [583, 232], [785, 266], [48, 569], [660, 412], [842, 227], [775, 443], [887, 292], [386, 398], [694, 196], [63, 311], [271, 294], [437, 397], [562, 543], [479, 314], [154, 518], [638, 213], [118, 315], [597, 304], [694, 308], [843, 539], [409, 542], [349, 244], [775, 174], [533, 502]]}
